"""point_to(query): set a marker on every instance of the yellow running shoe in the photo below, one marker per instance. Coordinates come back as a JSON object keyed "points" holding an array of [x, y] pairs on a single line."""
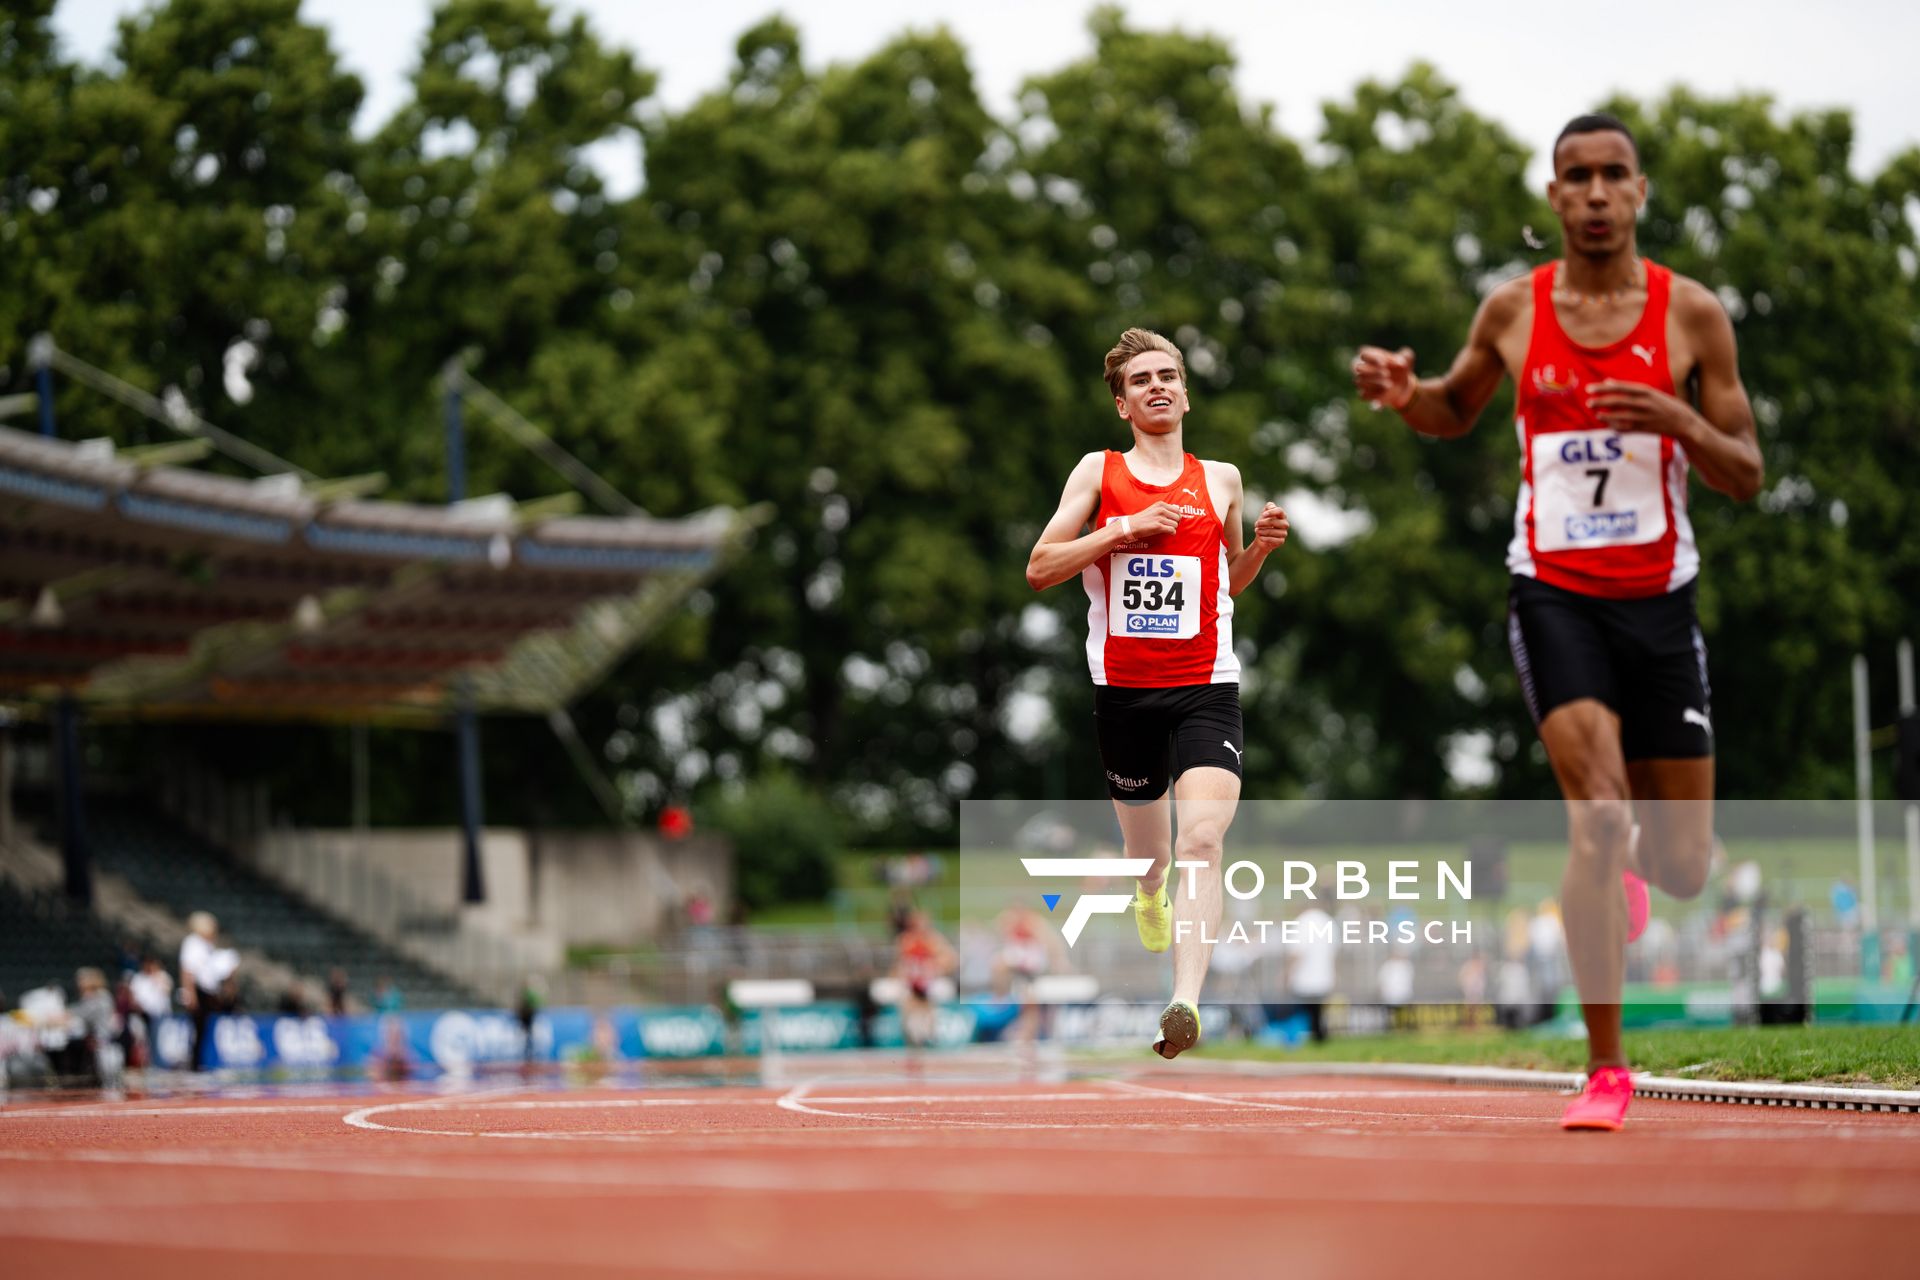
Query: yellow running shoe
{"points": [[1179, 1030], [1153, 917]]}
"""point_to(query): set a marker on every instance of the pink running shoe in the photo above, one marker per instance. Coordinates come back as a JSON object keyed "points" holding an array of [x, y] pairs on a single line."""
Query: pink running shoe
{"points": [[1639, 905], [1603, 1105]]}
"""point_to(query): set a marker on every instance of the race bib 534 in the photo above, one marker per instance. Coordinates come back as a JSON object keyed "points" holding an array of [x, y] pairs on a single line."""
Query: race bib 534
{"points": [[1155, 597]]}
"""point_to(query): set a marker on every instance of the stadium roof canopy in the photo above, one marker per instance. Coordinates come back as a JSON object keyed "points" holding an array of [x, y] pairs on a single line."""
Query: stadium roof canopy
{"points": [[163, 592]]}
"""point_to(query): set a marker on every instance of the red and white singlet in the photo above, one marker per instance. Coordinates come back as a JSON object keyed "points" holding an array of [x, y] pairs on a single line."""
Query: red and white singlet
{"points": [[1601, 512], [919, 958], [1159, 613]]}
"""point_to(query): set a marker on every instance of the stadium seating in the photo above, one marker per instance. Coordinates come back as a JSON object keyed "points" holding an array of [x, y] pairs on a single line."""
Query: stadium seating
{"points": [[44, 938], [168, 864]]}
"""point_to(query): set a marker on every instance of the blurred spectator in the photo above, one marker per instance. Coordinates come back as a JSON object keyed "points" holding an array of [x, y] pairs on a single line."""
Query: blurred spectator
{"points": [[387, 997], [126, 1020], [1513, 1003], [152, 990], [99, 1026], [337, 996], [1473, 988], [206, 976], [699, 909], [1896, 965], [1546, 946], [899, 911], [52, 1045], [1310, 974], [394, 1060], [1395, 984], [910, 871], [19, 1056], [532, 996], [1773, 965]]}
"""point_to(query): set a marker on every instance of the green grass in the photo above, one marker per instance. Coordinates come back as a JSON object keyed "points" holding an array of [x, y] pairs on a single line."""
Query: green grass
{"points": [[1887, 1056]]}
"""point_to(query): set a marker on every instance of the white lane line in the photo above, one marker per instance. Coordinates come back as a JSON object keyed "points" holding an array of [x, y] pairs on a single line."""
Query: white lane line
{"points": [[360, 1119], [1349, 1095], [1226, 1101], [114, 1113], [935, 1099], [797, 1099]]}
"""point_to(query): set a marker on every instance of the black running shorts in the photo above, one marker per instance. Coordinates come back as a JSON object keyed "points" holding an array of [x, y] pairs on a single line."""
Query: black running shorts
{"points": [[1645, 659], [1148, 737]]}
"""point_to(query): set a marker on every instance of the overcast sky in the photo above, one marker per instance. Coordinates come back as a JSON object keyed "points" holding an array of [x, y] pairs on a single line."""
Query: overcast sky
{"points": [[1530, 67]]}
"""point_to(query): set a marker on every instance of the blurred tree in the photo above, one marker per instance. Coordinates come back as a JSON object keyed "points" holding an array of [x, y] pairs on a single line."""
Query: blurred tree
{"points": [[786, 836], [1423, 206], [856, 339], [162, 233], [852, 295], [489, 236]]}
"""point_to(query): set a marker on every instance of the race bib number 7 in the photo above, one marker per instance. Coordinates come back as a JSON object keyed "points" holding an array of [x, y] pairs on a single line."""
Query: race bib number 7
{"points": [[1597, 489], [1153, 597]]}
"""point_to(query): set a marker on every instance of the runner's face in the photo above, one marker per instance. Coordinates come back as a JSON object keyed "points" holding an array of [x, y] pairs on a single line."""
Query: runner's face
{"points": [[1153, 398], [1597, 190]]}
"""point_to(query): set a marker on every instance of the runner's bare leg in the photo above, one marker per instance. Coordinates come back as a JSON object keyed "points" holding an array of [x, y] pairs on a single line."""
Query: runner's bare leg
{"points": [[1583, 742], [1205, 798], [1147, 832]]}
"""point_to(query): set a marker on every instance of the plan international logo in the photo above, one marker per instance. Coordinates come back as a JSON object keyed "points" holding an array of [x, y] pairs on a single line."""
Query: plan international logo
{"points": [[1246, 880]]}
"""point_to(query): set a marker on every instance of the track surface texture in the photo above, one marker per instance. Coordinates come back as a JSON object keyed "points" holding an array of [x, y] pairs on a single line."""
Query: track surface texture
{"points": [[963, 1170]]}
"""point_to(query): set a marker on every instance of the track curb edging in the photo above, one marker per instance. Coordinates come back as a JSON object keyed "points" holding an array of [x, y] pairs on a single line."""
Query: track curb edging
{"points": [[1738, 1093]]}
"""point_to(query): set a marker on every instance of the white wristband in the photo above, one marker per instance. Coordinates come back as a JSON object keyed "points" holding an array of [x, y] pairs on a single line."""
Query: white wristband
{"points": [[1126, 528]]}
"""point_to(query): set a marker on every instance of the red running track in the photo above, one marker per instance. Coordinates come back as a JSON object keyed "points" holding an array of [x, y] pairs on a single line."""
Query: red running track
{"points": [[1164, 1173]]}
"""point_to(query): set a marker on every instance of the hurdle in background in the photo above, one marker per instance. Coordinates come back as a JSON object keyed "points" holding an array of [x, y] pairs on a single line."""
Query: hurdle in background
{"points": [[768, 996], [1049, 988]]}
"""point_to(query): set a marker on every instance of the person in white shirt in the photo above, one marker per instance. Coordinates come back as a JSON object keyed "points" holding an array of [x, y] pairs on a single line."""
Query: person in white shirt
{"points": [[1310, 975], [152, 990], [205, 967]]}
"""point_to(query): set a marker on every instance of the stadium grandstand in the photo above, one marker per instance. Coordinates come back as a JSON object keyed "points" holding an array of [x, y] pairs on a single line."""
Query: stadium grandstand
{"points": [[138, 587]]}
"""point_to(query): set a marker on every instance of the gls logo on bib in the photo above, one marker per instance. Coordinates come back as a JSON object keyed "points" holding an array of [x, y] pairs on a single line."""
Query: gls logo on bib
{"points": [[1155, 597]]}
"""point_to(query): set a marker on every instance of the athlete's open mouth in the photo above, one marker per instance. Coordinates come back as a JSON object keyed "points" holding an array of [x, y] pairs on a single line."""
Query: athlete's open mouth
{"points": [[1158, 402], [1595, 227]]}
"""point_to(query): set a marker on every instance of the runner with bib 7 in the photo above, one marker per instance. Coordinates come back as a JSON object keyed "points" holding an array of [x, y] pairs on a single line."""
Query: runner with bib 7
{"points": [[1627, 379]]}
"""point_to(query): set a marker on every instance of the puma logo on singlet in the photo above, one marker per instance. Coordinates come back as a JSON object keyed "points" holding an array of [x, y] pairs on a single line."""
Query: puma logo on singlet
{"points": [[1645, 353], [1194, 492], [1229, 746], [1698, 717]]}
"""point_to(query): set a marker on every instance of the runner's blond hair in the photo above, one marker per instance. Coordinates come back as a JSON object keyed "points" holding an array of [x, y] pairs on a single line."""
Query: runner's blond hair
{"points": [[1136, 342]]}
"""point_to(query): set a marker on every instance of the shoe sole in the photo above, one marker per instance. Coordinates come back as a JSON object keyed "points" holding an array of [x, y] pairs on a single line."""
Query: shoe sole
{"points": [[1179, 1031], [1149, 946], [1592, 1126]]}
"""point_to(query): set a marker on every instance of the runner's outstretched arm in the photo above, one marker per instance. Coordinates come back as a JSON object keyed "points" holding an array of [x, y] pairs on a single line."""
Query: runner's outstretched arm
{"points": [[1444, 407]]}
